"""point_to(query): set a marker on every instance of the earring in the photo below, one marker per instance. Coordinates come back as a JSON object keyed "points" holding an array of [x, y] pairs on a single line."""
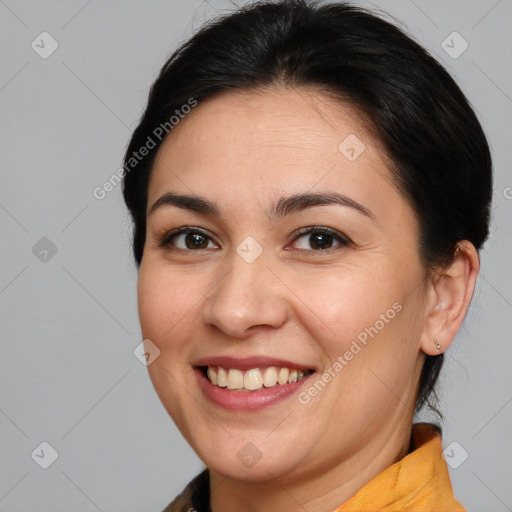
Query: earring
{"points": [[437, 344]]}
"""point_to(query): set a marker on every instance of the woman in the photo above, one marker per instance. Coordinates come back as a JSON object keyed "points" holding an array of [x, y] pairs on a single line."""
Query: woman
{"points": [[309, 191]]}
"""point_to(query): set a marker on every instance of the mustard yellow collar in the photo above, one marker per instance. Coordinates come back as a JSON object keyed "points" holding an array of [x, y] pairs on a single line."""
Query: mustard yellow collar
{"points": [[420, 481]]}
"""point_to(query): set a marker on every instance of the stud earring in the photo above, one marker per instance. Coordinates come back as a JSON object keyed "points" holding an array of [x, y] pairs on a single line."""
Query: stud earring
{"points": [[437, 344]]}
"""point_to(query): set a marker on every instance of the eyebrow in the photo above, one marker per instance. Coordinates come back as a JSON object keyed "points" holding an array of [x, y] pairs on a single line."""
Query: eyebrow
{"points": [[283, 206]]}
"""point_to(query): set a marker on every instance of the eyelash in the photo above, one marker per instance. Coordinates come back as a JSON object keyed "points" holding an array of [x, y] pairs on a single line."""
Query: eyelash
{"points": [[343, 241]]}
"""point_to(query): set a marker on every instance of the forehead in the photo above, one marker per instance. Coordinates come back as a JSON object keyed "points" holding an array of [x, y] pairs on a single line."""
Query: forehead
{"points": [[248, 144]]}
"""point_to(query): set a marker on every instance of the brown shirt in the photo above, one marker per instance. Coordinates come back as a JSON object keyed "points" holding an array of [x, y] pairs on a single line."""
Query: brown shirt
{"points": [[195, 496]]}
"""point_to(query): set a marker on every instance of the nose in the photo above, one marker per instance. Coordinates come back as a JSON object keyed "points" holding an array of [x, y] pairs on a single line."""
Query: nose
{"points": [[249, 295]]}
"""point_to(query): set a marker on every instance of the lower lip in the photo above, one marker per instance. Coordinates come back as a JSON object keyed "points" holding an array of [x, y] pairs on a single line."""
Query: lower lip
{"points": [[247, 400]]}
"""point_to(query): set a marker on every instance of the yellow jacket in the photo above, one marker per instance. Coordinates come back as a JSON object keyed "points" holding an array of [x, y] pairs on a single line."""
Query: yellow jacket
{"points": [[419, 482]]}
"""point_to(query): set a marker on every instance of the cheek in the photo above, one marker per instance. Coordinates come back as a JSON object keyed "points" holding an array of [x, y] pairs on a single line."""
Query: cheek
{"points": [[166, 305], [362, 325], [340, 307]]}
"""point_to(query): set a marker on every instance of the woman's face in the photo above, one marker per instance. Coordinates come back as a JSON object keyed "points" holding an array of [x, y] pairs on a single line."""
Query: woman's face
{"points": [[302, 255]]}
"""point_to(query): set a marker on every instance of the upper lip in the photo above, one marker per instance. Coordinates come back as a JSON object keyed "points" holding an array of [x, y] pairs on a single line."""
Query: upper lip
{"points": [[247, 363]]}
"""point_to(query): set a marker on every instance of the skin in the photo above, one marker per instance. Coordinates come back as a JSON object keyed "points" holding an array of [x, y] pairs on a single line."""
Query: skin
{"points": [[245, 150]]}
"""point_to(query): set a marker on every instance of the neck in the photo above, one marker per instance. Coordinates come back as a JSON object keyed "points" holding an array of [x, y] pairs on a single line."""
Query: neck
{"points": [[319, 492]]}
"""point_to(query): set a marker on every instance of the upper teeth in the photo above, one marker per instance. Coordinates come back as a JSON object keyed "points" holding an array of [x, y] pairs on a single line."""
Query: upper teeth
{"points": [[252, 379]]}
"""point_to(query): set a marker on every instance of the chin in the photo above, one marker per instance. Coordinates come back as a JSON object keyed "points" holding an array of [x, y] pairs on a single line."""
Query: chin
{"points": [[246, 461]]}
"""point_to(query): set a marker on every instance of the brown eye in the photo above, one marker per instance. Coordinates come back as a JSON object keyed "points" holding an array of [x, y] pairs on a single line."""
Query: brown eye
{"points": [[319, 239], [195, 241], [188, 240]]}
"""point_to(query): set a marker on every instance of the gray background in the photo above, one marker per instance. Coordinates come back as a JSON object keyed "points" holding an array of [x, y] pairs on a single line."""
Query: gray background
{"points": [[68, 375]]}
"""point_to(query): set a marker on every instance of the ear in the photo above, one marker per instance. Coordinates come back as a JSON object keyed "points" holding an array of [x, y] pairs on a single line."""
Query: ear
{"points": [[450, 293]]}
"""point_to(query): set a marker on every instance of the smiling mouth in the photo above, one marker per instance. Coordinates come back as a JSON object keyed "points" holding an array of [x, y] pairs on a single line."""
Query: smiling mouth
{"points": [[253, 379]]}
